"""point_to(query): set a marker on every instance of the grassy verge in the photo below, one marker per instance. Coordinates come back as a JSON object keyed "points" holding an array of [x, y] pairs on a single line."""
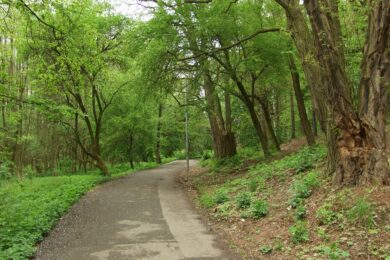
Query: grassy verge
{"points": [[286, 208], [29, 208]]}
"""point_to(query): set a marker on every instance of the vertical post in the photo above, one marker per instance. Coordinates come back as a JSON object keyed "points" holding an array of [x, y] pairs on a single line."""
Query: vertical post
{"points": [[187, 144]]}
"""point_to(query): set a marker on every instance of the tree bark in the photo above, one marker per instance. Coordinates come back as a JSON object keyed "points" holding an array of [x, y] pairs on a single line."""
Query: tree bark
{"points": [[314, 122], [360, 148], [224, 142], [300, 102], [268, 120], [292, 117], [305, 46]]}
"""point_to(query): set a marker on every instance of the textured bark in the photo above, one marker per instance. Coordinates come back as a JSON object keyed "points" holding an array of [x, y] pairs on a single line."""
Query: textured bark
{"points": [[292, 117], [314, 122], [224, 142], [304, 43], [268, 122], [300, 102], [360, 148], [100, 163]]}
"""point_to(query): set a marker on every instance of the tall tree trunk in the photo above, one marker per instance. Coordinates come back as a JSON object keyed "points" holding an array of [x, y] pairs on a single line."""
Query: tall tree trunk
{"points": [[292, 117], [158, 142], [304, 43], [252, 112], [300, 102], [224, 142], [267, 116], [314, 122], [361, 145]]}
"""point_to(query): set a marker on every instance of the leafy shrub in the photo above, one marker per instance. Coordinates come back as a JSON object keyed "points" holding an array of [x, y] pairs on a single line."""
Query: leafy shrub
{"points": [[333, 252], [312, 180], [259, 209], [253, 185], [361, 213], [299, 232], [243, 200], [207, 154], [305, 166], [296, 202], [179, 154], [300, 212], [326, 215], [206, 201], [303, 188], [5, 172], [221, 196], [245, 214]]}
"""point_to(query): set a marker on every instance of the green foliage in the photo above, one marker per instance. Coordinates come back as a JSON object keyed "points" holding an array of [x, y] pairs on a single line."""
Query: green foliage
{"points": [[245, 214], [307, 155], [207, 154], [206, 201], [231, 163], [333, 251], [243, 200], [221, 196], [302, 188], [5, 172], [180, 154], [259, 209], [300, 212], [29, 208], [253, 185], [326, 215], [362, 213], [266, 249], [299, 232]]}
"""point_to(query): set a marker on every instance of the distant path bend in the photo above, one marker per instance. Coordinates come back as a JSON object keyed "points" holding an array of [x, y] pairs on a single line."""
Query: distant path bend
{"points": [[145, 215]]}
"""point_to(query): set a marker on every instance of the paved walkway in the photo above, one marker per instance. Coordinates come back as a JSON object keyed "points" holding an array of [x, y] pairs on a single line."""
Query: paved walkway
{"points": [[145, 215]]}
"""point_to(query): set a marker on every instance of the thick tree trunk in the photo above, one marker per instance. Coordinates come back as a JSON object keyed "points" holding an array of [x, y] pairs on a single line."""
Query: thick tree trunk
{"points": [[361, 145], [100, 163], [224, 142], [300, 102], [158, 142]]}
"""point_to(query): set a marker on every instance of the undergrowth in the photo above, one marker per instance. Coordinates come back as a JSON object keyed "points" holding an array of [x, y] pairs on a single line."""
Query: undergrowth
{"points": [[295, 193]]}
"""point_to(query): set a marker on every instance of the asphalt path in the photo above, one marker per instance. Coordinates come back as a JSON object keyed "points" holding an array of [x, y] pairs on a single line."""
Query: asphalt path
{"points": [[145, 215]]}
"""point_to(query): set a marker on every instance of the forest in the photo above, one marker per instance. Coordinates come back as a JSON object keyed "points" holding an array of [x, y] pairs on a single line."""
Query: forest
{"points": [[90, 90]]}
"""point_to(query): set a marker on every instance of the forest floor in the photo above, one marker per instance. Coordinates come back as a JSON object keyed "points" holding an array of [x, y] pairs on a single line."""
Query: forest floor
{"points": [[286, 208], [145, 215]]}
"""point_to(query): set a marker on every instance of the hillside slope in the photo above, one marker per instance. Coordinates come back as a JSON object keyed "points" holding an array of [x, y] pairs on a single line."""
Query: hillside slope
{"points": [[287, 208]]}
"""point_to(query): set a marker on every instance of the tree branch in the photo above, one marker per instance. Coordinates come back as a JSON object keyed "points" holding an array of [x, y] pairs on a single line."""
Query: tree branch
{"points": [[253, 35]]}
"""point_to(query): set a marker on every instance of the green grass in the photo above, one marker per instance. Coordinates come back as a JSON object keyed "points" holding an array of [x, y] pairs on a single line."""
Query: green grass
{"points": [[29, 208]]}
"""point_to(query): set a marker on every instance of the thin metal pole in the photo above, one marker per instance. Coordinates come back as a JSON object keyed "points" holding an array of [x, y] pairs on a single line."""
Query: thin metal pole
{"points": [[187, 138]]}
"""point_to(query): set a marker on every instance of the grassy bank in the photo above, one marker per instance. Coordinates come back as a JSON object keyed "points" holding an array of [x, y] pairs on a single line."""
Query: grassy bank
{"points": [[30, 207], [287, 208]]}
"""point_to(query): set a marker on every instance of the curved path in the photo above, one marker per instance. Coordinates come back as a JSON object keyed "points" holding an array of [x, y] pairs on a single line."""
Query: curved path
{"points": [[145, 215]]}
